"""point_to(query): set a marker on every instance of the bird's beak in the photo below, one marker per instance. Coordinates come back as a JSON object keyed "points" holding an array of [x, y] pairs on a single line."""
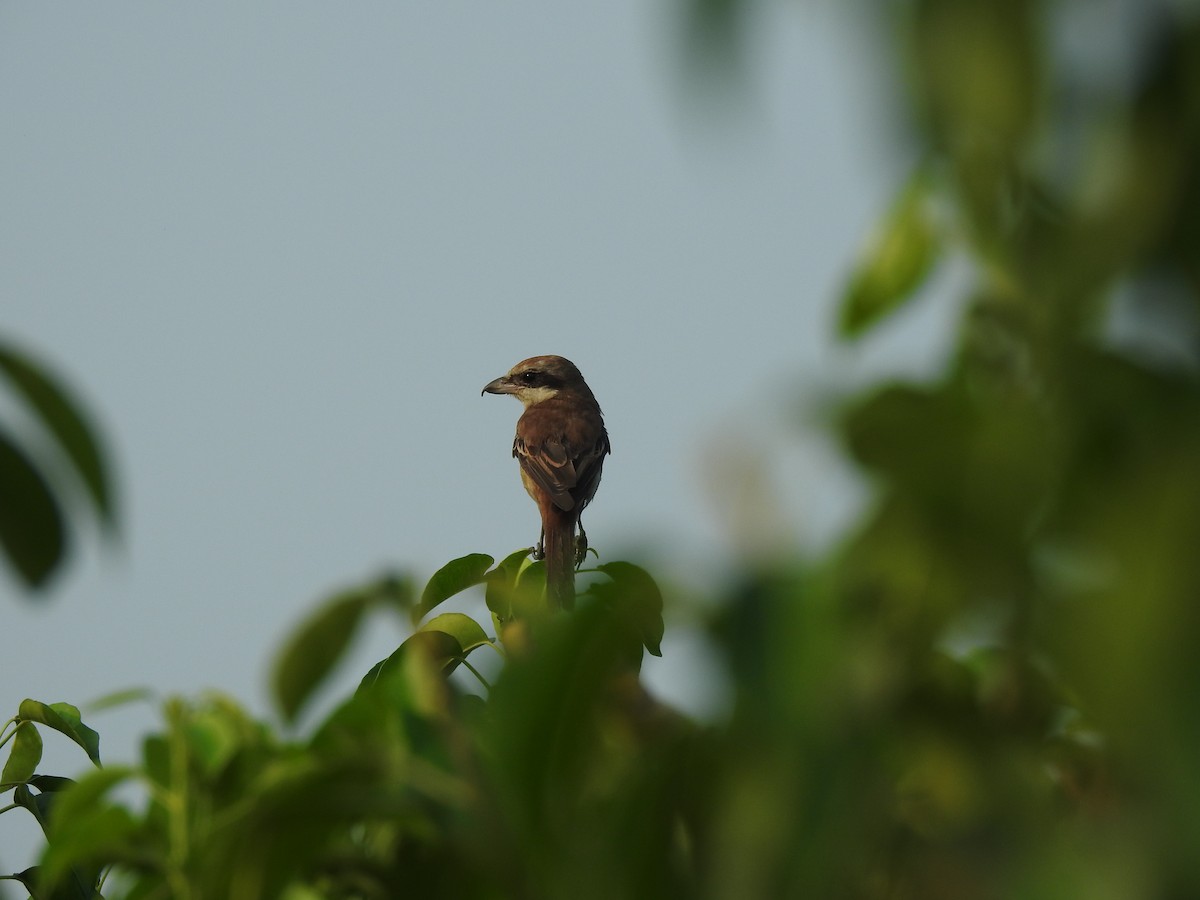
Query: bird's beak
{"points": [[500, 386]]}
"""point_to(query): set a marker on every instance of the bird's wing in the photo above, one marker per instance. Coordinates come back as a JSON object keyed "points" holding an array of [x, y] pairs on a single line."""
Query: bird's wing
{"points": [[588, 466], [552, 468]]}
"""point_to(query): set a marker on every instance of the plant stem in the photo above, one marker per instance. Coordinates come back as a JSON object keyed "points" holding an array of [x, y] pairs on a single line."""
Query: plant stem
{"points": [[477, 674]]}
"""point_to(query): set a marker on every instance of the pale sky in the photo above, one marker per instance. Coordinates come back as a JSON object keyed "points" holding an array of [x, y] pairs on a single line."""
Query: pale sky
{"points": [[279, 247]]}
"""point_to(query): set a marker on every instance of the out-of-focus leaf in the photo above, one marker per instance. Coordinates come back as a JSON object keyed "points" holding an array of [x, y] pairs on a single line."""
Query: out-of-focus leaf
{"points": [[119, 698], [64, 419], [979, 71], [86, 832], [900, 257], [78, 799], [24, 757], [991, 461], [64, 718], [395, 591], [156, 759], [545, 711], [222, 743], [31, 524], [452, 578], [713, 42], [212, 740], [314, 649], [979, 86], [636, 599]]}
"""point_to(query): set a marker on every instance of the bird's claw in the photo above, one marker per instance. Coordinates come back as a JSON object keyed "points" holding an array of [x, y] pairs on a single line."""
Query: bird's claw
{"points": [[581, 547]]}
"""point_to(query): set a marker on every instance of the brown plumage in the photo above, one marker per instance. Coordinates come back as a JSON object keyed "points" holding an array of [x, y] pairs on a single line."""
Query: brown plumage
{"points": [[560, 443]]}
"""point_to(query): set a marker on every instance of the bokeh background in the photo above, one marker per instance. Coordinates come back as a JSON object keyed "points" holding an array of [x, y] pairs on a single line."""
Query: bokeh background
{"points": [[277, 248], [892, 307]]}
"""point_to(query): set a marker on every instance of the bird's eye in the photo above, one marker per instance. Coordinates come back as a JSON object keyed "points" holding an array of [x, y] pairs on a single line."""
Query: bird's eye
{"points": [[530, 377]]}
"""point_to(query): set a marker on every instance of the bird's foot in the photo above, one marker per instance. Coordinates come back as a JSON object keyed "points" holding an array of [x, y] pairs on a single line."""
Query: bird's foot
{"points": [[539, 552], [581, 547]]}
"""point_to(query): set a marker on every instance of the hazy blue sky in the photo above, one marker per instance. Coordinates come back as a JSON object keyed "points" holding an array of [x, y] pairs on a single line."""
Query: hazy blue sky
{"points": [[280, 247]]}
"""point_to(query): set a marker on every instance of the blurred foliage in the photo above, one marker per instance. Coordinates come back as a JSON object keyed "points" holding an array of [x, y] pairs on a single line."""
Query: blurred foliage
{"points": [[987, 691], [412, 784], [34, 531]]}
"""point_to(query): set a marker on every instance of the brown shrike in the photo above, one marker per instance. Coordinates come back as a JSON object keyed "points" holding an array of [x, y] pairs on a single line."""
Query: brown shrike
{"points": [[561, 444]]}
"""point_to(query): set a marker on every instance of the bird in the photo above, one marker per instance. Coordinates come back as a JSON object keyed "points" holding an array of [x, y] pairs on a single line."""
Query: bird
{"points": [[560, 444]]}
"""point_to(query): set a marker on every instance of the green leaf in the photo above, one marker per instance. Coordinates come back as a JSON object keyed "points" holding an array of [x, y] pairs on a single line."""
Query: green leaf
{"points": [[119, 698], [87, 832], [40, 804], [897, 262], [314, 649], [502, 583], [452, 578], [636, 599], [25, 755], [77, 801], [51, 784], [29, 879], [395, 591], [444, 641], [63, 418], [979, 73], [462, 628], [31, 524], [212, 740], [505, 571], [442, 650], [531, 584], [64, 718], [156, 759]]}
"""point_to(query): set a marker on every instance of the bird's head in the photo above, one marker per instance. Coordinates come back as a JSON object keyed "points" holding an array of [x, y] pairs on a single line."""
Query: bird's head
{"points": [[540, 378]]}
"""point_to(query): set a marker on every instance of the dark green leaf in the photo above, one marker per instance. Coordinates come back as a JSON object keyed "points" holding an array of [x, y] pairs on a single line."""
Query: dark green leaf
{"points": [[395, 591], [29, 880], [897, 262], [314, 649], [40, 804], [25, 755], [63, 418], [636, 599], [714, 42], [156, 757], [452, 578], [31, 524], [77, 887], [64, 718], [51, 784]]}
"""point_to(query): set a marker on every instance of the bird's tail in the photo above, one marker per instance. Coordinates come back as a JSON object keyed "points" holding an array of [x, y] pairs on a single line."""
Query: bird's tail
{"points": [[559, 545]]}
